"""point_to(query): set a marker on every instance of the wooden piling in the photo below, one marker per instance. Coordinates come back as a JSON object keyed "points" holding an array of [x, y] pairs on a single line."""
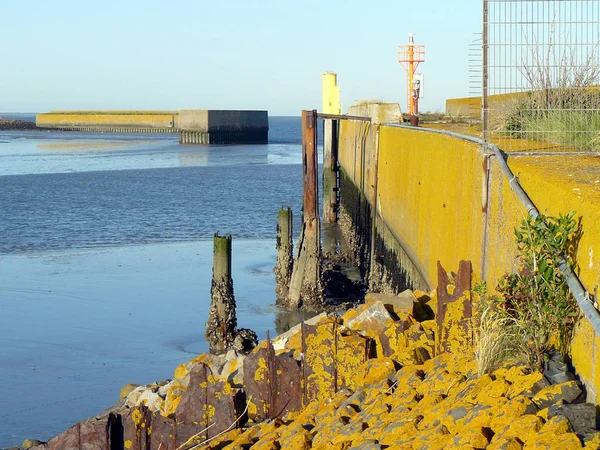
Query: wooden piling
{"points": [[222, 322], [285, 254], [306, 285]]}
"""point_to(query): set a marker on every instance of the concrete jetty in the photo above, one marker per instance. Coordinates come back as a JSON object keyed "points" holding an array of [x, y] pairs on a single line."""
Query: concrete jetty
{"points": [[194, 126]]}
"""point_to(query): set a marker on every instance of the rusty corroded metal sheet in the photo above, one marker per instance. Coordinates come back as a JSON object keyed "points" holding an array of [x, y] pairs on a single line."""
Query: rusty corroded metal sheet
{"points": [[287, 386], [192, 406], [164, 433], [69, 440], [319, 361], [256, 384], [310, 165], [221, 408], [454, 310], [393, 338], [93, 434], [351, 352], [135, 428], [185, 432], [273, 384]]}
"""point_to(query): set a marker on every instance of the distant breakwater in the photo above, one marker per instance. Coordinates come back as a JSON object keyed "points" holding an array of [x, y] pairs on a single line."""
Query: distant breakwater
{"points": [[193, 126]]}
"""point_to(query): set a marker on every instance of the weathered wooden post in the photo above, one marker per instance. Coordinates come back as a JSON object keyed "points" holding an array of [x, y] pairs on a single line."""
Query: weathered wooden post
{"points": [[330, 168], [222, 322], [285, 254], [306, 285]]}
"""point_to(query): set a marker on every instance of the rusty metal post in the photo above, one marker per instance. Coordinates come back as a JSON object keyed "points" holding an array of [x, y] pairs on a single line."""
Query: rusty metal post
{"points": [[303, 362], [306, 286], [454, 310], [285, 254], [310, 165]]}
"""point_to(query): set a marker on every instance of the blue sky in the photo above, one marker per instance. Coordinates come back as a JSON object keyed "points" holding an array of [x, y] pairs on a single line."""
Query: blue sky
{"points": [[230, 54]]}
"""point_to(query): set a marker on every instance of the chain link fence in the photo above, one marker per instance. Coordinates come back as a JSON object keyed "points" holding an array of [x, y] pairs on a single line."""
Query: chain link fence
{"points": [[541, 84]]}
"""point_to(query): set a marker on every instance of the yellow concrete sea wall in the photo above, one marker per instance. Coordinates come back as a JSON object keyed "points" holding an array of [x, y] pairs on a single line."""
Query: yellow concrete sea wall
{"points": [[471, 106], [430, 193], [137, 119], [557, 184], [429, 190]]}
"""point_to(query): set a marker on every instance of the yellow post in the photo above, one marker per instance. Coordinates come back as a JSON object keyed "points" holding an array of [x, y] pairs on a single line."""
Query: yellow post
{"points": [[331, 94]]}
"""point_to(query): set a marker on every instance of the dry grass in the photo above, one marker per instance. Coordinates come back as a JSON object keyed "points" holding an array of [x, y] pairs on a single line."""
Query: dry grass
{"points": [[495, 340]]}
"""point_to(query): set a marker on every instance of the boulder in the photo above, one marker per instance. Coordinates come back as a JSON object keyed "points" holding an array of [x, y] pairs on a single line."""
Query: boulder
{"points": [[151, 400], [568, 392], [233, 370], [400, 305], [127, 389], [371, 321], [582, 416], [556, 370], [214, 362], [29, 443], [279, 343]]}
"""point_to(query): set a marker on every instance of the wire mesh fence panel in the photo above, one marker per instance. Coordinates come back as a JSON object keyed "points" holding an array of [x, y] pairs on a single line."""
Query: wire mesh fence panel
{"points": [[543, 74]]}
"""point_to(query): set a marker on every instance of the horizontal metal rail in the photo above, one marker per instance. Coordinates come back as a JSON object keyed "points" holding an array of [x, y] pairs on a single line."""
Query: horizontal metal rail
{"points": [[343, 117], [581, 295]]}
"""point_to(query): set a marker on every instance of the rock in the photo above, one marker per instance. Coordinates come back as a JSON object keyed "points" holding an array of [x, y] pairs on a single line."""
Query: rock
{"points": [[279, 343], [127, 389], [591, 440], [245, 340], [556, 370], [371, 321], [505, 444], [28, 443], [163, 390], [174, 392], [401, 304], [568, 392], [366, 445], [151, 400], [132, 399], [527, 385], [582, 416], [233, 370], [214, 362]]}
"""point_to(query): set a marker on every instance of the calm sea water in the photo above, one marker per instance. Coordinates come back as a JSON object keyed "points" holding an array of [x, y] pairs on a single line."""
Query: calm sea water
{"points": [[106, 256]]}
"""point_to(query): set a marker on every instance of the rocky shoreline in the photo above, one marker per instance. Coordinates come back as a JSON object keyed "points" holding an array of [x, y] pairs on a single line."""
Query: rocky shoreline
{"points": [[6, 125], [373, 378]]}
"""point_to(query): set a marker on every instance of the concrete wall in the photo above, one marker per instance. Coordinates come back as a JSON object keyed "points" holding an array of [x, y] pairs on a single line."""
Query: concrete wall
{"points": [[193, 119], [425, 192], [141, 119], [471, 106], [195, 126], [222, 120], [230, 120]]}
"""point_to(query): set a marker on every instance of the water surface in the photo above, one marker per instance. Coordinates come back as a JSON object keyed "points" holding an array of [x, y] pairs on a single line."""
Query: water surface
{"points": [[106, 254]]}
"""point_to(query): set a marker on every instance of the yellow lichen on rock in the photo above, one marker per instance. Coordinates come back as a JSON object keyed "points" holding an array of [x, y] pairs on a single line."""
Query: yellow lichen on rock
{"points": [[408, 400]]}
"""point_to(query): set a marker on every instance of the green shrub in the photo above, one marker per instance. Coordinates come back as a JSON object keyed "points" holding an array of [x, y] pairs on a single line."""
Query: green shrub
{"points": [[536, 308]]}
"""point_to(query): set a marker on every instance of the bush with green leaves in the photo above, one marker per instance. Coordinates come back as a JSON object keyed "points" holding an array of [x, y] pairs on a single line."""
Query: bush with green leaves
{"points": [[536, 307]]}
